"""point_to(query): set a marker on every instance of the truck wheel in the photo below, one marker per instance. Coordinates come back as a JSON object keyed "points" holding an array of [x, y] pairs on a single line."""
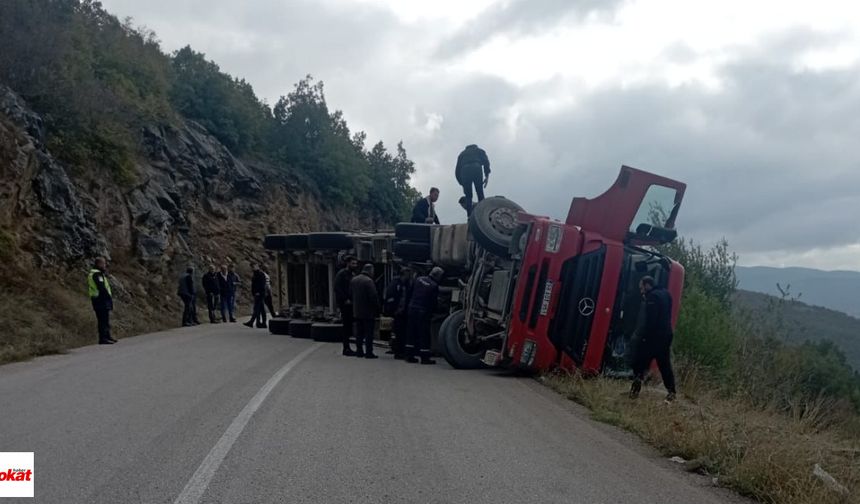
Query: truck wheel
{"points": [[300, 328], [296, 241], [453, 345], [330, 241], [493, 222], [409, 231], [274, 242], [279, 326], [329, 333], [412, 252]]}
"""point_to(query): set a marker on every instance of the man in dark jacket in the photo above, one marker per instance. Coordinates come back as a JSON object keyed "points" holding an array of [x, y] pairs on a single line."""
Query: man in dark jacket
{"points": [[655, 337], [473, 170], [258, 291], [235, 281], [424, 211], [365, 308], [344, 301], [188, 293], [425, 294], [210, 287], [227, 292], [98, 287], [397, 306]]}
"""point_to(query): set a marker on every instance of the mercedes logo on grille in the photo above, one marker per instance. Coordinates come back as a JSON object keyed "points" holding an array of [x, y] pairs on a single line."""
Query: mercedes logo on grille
{"points": [[586, 306]]}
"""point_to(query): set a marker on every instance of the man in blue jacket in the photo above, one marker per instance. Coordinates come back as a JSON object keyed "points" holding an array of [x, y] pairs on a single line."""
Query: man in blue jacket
{"points": [[422, 305], [655, 337], [473, 170]]}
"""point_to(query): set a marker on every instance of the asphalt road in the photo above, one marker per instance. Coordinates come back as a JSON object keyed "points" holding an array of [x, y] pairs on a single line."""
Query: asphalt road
{"points": [[226, 414]]}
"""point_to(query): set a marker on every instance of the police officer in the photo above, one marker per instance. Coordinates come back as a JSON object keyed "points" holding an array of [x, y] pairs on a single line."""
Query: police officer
{"points": [[210, 286], [101, 296], [344, 300], [422, 305], [473, 165], [655, 337], [397, 306]]}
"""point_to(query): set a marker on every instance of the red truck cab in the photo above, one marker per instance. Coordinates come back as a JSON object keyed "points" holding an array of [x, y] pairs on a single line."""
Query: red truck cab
{"points": [[574, 296]]}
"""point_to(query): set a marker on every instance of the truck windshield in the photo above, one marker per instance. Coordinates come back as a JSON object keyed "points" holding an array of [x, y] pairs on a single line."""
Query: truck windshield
{"points": [[657, 208]]}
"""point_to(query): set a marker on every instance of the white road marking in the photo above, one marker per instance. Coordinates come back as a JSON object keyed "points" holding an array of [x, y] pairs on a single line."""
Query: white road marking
{"points": [[198, 483]]}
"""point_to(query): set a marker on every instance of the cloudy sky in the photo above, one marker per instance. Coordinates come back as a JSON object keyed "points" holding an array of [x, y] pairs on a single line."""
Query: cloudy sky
{"points": [[755, 105]]}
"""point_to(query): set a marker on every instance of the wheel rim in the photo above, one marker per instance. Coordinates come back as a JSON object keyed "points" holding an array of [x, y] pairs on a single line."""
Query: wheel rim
{"points": [[504, 220], [465, 346]]}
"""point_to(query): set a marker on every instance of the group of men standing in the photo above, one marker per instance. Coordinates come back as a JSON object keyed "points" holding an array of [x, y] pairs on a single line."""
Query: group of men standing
{"points": [[220, 290], [410, 301]]}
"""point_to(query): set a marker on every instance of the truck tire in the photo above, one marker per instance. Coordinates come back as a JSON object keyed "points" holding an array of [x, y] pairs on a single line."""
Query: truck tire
{"points": [[296, 241], [410, 231], [329, 333], [300, 329], [493, 222], [451, 344], [279, 326], [330, 241], [274, 242], [412, 251]]}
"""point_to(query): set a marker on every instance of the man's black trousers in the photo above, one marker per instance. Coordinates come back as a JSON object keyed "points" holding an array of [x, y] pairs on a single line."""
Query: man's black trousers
{"points": [[364, 335], [661, 351], [418, 334], [103, 317], [477, 181], [346, 319]]}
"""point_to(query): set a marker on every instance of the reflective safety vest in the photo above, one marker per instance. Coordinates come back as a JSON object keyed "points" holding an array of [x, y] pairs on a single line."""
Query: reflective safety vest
{"points": [[93, 288]]}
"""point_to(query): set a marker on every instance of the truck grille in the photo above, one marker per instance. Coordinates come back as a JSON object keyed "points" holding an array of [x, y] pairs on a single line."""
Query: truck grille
{"points": [[571, 327]]}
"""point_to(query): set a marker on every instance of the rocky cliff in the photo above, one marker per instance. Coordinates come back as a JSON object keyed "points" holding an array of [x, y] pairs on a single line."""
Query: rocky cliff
{"points": [[189, 201]]}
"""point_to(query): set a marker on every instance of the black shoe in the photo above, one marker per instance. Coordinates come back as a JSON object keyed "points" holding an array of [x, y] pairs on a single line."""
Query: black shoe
{"points": [[635, 388], [112, 340], [411, 360], [248, 324], [233, 320], [371, 356], [261, 326], [359, 354], [188, 324], [428, 361], [348, 352], [106, 342]]}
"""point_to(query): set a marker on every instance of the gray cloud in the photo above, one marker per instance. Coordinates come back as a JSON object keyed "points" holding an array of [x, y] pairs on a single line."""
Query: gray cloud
{"points": [[771, 157], [521, 17]]}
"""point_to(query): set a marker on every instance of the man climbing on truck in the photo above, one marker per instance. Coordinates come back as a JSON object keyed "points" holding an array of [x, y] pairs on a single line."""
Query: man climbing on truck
{"points": [[473, 170]]}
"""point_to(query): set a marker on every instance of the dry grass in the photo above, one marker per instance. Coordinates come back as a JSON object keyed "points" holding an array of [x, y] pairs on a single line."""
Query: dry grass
{"points": [[763, 454]]}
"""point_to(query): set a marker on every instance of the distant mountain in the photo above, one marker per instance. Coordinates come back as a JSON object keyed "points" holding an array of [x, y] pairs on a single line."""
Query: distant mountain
{"points": [[812, 323], [837, 290]]}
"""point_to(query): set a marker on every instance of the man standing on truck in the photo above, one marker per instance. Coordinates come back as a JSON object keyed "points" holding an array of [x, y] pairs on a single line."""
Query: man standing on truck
{"points": [[210, 286], [188, 293], [473, 169], [425, 295], [344, 301], [424, 212], [365, 307], [397, 305], [655, 337], [101, 297]]}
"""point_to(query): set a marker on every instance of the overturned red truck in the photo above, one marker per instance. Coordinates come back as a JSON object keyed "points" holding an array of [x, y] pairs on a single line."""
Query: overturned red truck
{"points": [[546, 294], [521, 291]]}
